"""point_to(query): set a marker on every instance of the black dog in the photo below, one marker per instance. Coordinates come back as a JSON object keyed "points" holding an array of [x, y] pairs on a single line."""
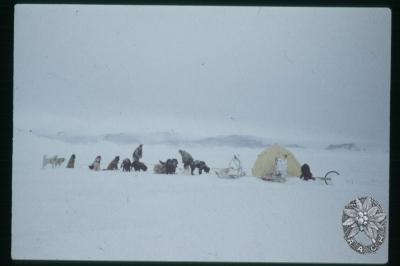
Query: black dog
{"points": [[139, 166], [306, 172], [201, 165], [171, 165], [126, 165], [168, 167]]}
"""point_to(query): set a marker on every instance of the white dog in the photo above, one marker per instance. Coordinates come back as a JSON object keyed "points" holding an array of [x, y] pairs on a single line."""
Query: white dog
{"points": [[53, 161], [96, 164]]}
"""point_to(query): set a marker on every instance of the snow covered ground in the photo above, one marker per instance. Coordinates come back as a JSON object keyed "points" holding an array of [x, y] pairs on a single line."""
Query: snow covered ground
{"points": [[77, 214]]}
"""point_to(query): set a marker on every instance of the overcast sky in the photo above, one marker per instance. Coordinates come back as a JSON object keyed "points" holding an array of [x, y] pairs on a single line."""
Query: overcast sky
{"points": [[310, 70]]}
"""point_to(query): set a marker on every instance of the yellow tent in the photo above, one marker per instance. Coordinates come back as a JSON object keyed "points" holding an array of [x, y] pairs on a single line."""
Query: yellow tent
{"points": [[264, 165]]}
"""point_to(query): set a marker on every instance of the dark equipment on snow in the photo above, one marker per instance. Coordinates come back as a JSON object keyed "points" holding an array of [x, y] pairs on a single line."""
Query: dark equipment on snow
{"points": [[328, 177]]}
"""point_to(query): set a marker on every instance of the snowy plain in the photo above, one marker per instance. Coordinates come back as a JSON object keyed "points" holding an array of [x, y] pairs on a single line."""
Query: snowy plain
{"points": [[78, 214]]}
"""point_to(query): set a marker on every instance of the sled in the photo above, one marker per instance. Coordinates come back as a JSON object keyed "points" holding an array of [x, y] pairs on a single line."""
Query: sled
{"points": [[229, 172], [328, 177], [274, 178], [234, 170]]}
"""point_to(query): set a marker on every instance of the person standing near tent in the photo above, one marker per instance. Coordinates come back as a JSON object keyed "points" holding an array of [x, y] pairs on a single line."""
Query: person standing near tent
{"points": [[280, 167], [276, 167], [284, 165], [137, 154], [235, 163], [187, 159]]}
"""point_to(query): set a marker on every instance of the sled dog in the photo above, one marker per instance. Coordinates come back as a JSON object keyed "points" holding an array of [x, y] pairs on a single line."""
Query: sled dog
{"points": [[114, 164], [59, 161], [52, 161], [126, 165]]}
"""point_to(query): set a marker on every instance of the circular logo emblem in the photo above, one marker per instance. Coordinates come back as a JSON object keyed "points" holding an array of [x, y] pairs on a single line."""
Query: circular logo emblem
{"points": [[364, 224]]}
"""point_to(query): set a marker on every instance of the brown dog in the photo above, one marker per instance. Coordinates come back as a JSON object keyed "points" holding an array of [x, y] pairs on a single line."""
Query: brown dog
{"points": [[71, 161], [114, 164]]}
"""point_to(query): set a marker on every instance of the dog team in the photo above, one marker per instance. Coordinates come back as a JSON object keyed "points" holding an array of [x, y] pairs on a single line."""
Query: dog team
{"points": [[167, 167]]}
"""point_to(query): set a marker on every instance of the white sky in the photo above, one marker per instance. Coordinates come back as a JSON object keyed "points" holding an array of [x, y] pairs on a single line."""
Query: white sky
{"points": [[318, 71]]}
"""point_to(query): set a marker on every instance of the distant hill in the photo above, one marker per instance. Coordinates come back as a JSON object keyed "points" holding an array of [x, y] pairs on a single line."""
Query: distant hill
{"points": [[175, 139], [232, 140], [343, 146]]}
